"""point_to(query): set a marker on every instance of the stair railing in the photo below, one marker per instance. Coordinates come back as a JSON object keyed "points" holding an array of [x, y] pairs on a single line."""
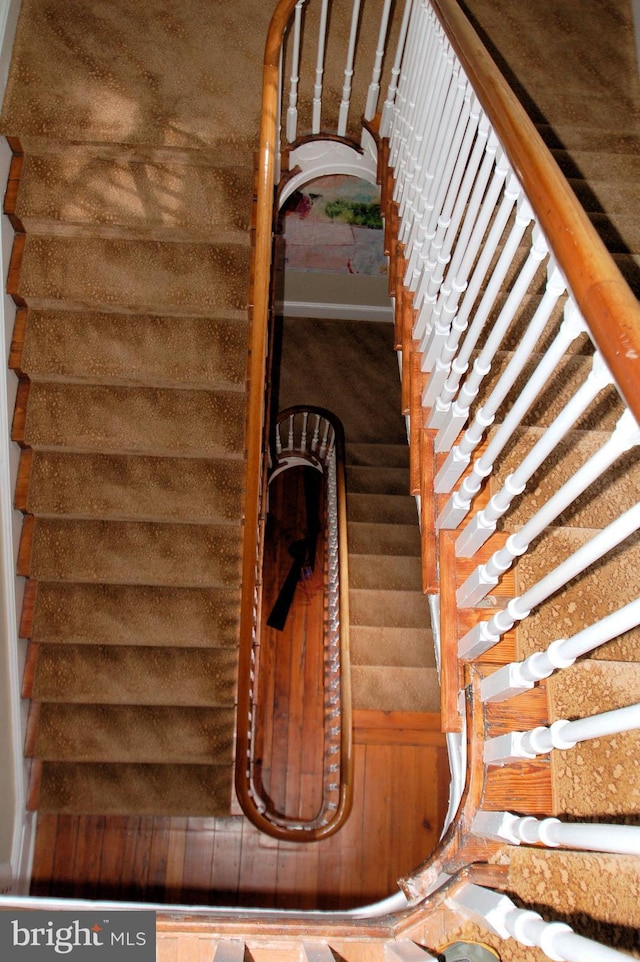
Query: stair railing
{"points": [[310, 436], [495, 267]]}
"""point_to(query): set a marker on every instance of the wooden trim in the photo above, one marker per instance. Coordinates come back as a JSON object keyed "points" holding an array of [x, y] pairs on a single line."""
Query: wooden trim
{"points": [[450, 665], [28, 608], [22, 481], [15, 267], [18, 427], [17, 341], [29, 673], [605, 299], [11, 195], [26, 545]]}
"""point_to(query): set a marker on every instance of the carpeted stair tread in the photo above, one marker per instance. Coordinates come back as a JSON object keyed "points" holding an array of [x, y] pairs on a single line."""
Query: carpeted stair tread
{"points": [[150, 81], [159, 351], [395, 647], [131, 198], [395, 689], [569, 374], [615, 491], [383, 607], [131, 488], [144, 789], [392, 572], [136, 614], [135, 420], [598, 778], [377, 480], [556, 880], [140, 733], [600, 166], [135, 675], [384, 508], [118, 552], [376, 455], [582, 601], [134, 275], [590, 686], [380, 538]]}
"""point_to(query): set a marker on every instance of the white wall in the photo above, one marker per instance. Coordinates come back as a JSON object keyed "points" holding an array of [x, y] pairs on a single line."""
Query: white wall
{"points": [[15, 823]]}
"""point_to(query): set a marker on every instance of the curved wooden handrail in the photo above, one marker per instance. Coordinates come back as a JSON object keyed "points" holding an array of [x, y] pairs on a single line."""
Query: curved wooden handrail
{"points": [[325, 449], [601, 292]]}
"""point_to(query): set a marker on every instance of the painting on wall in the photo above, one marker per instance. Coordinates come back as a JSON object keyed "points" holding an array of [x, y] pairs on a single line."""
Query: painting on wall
{"points": [[334, 225]]}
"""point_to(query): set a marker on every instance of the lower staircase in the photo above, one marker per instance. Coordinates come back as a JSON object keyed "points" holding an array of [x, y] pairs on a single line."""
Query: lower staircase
{"points": [[392, 654], [131, 272]]}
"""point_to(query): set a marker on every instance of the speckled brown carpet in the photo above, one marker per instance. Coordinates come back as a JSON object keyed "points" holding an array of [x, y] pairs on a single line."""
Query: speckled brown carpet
{"points": [[135, 198]]}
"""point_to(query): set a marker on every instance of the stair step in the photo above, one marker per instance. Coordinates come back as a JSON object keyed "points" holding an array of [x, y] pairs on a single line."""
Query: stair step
{"points": [[392, 572], [369, 538], [613, 493], [140, 733], [130, 488], [387, 608], [135, 675], [573, 137], [585, 599], [118, 552], [375, 480], [569, 374], [135, 614], [382, 508], [396, 647], [377, 455], [145, 276], [126, 197], [133, 420], [143, 789], [598, 166], [395, 689], [158, 351]]}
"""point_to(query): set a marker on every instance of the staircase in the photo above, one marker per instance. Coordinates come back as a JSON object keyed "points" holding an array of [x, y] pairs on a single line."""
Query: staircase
{"points": [[131, 272], [392, 654]]}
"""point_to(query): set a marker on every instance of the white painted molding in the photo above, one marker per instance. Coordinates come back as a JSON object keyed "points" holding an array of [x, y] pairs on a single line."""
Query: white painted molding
{"points": [[340, 312], [16, 833]]}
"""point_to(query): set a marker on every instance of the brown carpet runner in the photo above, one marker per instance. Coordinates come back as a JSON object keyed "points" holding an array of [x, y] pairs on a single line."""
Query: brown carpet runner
{"points": [[135, 199]]}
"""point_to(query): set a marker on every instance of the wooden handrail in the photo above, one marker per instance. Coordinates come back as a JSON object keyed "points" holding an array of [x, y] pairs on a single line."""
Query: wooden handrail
{"points": [[255, 475], [601, 292]]}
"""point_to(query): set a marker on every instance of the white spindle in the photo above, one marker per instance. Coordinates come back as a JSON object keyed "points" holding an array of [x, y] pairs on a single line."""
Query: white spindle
{"points": [[477, 213], [460, 502], [587, 836], [374, 86], [517, 677], [486, 634], [345, 103], [292, 112], [387, 110], [317, 87], [485, 577], [484, 523], [561, 734], [496, 912], [459, 412]]}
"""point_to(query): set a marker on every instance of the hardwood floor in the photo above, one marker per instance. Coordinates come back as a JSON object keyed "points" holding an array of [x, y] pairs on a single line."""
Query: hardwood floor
{"points": [[399, 807]]}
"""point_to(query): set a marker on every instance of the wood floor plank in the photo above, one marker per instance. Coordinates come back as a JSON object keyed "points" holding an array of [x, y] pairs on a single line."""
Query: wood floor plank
{"points": [[198, 859], [175, 878], [44, 855], [64, 879], [88, 856]]}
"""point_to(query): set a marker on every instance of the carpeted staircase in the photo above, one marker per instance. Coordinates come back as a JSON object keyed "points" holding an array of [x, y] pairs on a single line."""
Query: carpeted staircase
{"points": [[131, 194]]}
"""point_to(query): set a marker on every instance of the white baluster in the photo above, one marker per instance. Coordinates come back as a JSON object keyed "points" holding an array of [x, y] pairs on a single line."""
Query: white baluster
{"points": [[292, 112], [561, 734], [484, 523], [389, 104], [460, 502], [518, 677], [477, 214], [317, 87], [374, 86], [486, 634], [487, 576], [291, 437], [496, 912], [303, 437], [416, 53], [586, 836], [459, 412], [348, 71]]}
